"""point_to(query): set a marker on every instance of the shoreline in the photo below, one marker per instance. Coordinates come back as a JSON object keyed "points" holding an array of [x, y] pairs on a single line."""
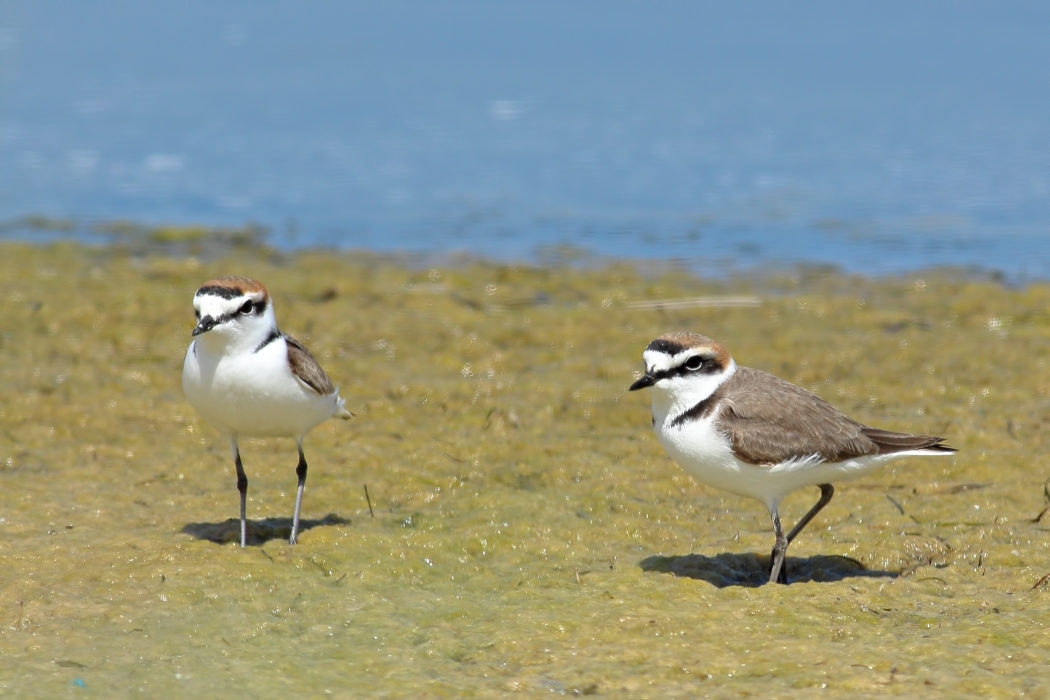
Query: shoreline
{"points": [[211, 242]]}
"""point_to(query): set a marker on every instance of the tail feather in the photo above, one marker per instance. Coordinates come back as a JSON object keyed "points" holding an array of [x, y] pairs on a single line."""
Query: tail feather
{"points": [[342, 411], [889, 442]]}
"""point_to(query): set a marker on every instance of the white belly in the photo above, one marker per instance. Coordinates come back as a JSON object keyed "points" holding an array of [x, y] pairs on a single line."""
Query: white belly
{"points": [[706, 455], [253, 394]]}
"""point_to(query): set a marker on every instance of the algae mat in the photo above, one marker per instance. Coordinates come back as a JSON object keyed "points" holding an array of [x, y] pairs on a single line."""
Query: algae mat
{"points": [[527, 534]]}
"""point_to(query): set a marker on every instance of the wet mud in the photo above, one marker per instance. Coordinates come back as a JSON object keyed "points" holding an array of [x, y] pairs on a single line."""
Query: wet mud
{"points": [[524, 532]]}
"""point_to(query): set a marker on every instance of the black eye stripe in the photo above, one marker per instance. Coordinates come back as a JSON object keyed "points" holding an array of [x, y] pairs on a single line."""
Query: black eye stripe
{"points": [[709, 366], [664, 374], [258, 308]]}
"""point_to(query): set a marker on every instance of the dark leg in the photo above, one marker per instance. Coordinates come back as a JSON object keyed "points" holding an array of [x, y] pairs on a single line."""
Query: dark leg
{"points": [[242, 486], [300, 471], [778, 569], [826, 492], [777, 572]]}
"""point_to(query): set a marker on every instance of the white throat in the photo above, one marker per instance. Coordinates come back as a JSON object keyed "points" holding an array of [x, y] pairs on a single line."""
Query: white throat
{"points": [[241, 334], [674, 396]]}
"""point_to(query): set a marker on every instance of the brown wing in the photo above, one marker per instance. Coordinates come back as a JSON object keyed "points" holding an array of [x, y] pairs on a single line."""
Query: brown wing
{"points": [[305, 367], [770, 421]]}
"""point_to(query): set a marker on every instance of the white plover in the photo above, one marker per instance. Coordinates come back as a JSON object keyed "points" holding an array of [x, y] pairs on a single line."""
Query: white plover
{"points": [[748, 432], [247, 378]]}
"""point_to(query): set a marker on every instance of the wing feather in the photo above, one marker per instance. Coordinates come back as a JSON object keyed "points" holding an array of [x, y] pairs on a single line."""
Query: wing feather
{"points": [[306, 368], [770, 421]]}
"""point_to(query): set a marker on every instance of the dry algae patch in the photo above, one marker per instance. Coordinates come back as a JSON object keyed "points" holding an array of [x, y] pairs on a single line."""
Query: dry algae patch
{"points": [[528, 532]]}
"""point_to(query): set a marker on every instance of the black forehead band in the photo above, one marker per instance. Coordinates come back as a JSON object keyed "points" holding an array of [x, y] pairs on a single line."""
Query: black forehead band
{"points": [[668, 346], [221, 292], [672, 348]]}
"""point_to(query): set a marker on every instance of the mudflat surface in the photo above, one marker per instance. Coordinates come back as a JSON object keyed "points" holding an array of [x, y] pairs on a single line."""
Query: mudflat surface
{"points": [[529, 535]]}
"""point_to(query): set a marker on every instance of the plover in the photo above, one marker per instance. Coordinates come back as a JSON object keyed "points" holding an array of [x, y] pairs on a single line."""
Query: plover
{"points": [[748, 432], [247, 378]]}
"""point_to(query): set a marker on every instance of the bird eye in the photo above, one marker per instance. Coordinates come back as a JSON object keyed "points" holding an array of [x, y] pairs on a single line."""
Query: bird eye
{"points": [[694, 362], [246, 307]]}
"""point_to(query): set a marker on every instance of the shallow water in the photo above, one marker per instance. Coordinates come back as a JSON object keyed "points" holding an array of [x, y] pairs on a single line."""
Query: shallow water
{"points": [[880, 137], [528, 533]]}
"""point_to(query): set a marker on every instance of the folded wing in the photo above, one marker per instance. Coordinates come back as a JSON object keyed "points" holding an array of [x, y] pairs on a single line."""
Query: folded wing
{"points": [[770, 421], [306, 368]]}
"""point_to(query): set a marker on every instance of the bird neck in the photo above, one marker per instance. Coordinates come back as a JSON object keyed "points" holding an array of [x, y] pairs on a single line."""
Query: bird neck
{"points": [[673, 397], [241, 336]]}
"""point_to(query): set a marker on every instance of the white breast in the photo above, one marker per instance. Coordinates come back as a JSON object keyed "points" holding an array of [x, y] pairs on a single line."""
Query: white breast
{"points": [[705, 454], [252, 394]]}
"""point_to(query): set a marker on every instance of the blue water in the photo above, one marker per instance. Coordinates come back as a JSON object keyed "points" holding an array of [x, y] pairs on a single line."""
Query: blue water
{"points": [[878, 137]]}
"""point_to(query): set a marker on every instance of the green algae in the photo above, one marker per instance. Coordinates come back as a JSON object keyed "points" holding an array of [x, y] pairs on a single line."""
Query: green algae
{"points": [[526, 532]]}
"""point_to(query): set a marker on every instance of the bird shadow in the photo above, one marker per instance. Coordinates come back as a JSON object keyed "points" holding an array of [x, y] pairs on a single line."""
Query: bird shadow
{"points": [[259, 531], [752, 570]]}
